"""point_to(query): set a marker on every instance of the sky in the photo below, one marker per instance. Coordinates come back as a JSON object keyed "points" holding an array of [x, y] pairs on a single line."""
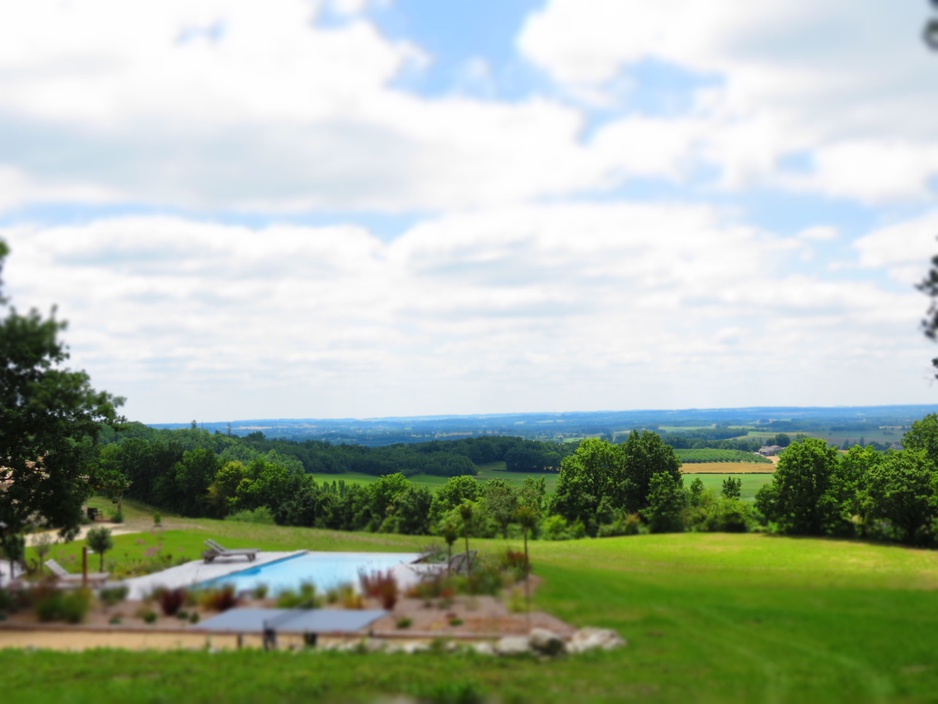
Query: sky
{"points": [[367, 208]]}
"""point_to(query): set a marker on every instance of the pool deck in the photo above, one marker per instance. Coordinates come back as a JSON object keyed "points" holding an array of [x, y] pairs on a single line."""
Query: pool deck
{"points": [[199, 571]]}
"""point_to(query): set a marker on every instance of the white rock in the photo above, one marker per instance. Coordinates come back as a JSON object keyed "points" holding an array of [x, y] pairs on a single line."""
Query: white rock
{"points": [[594, 639], [513, 645], [484, 648], [546, 642]]}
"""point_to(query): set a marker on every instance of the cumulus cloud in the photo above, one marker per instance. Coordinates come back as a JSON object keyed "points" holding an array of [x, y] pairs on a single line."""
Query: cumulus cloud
{"points": [[565, 307], [847, 82]]}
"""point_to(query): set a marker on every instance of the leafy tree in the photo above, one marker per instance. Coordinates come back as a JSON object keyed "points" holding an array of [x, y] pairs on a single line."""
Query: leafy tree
{"points": [[666, 501], [500, 501], [100, 540], [902, 490], [223, 490], [109, 477], [527, 517], [467, 514], [596, 470], [452, 494], [646, 455], [797, 499], [923, 435], [848, 488], [50, 418], [732, 487], [448, 528]]}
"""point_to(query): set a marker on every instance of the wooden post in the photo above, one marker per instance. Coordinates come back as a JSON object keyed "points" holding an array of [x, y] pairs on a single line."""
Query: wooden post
{"points": [[84, 566]]}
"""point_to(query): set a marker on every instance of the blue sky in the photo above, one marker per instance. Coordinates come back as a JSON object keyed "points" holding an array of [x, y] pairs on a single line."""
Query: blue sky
{"points": [[357, 208]]}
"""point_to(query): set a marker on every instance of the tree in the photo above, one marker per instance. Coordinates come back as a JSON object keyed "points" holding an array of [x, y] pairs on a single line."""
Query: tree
{"points": [[448, 527], [467, 514], [732, 487], [666, 501], [923, 435], [596, 470], [501, 502], [100, 540], [50, 419], [797, 499], [646, 455], [902, 490], [109, 477]]}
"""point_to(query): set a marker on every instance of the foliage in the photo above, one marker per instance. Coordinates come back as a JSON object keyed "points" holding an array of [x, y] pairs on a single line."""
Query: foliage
{"points": [[902, 490], [100, 540], [305, 597], [71, 606], [798, 499], [381, 586], [111, 596], [218, 598], [732, 487], [666, 501], [50, 418], [261, 515], [172, 600]]}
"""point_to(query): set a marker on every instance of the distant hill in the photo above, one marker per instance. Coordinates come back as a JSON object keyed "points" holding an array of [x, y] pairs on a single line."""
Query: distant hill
{"points": [[853, 420]]}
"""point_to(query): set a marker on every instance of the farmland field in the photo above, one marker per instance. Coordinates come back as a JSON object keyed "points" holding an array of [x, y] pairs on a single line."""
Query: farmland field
{"points": [[728, 468], [690, 456], [708, 617]]}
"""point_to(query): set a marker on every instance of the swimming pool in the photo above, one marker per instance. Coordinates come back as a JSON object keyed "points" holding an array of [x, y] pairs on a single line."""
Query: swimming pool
{"points": [[327, 570]]}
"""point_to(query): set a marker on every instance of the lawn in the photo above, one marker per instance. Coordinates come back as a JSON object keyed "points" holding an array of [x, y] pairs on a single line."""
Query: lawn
{"points": [[709, 617]]}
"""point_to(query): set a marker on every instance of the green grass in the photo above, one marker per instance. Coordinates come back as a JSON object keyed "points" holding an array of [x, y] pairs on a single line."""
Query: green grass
{"points": [[493, 470], [751, 483], [708, 617], [717, 455]]}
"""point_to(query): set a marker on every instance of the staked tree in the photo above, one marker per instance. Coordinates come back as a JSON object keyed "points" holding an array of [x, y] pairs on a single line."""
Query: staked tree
{"points": [[50, 418], [100, 540]]}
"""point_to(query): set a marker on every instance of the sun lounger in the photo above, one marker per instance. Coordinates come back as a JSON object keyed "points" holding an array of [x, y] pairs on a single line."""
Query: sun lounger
{"points": [[216, 550], [65, 577]]}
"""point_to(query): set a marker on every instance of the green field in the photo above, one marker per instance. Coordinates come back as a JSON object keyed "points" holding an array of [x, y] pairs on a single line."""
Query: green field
{"points": [[708, 617], [691, 456], [493, 470], [751, 483]]}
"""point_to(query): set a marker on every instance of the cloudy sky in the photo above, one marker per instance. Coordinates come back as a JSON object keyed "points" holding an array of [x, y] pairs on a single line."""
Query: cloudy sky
{"points": [[360, 208]]}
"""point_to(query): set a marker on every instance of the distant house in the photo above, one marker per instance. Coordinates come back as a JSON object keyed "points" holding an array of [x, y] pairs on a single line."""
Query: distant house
{"points": [[770, 450]]}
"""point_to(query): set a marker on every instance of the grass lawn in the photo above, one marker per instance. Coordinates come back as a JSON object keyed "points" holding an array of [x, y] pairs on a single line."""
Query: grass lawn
{"points": [[751, 483], [709, 617]]}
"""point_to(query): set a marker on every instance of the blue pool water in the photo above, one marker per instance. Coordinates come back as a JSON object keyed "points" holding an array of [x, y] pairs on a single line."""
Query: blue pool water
{"points": [[327, 570]]}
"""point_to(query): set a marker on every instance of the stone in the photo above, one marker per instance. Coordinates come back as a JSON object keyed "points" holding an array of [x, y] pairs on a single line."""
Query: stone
{"points": [[595, 639], [483, 648], [546, 642], [513, 645]]}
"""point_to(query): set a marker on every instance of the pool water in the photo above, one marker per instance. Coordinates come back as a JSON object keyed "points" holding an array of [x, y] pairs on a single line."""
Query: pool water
{"points": [[327, 570]]}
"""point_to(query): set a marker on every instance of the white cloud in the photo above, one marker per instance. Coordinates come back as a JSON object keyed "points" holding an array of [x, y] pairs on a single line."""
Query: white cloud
{"points": [[848, 83], [563, 307], [904, 249]]}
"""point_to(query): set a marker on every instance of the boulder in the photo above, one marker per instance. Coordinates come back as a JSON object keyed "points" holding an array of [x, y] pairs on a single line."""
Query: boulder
{"points": [[483, 648], [594, 639], [513, 645], [546, 642]]}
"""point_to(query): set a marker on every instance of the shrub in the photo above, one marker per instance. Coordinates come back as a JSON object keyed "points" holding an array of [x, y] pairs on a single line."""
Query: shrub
{"points": [[514, 561], [117, 517], [172, 600], [194, 617], [455, 621], [8, 602], [113, 595], [380, 585], [157, 519], [405, 622], [303, 598], [262, 515], [260, 591], [115, 620], [71, 606], [149, 617], [219, 599]]}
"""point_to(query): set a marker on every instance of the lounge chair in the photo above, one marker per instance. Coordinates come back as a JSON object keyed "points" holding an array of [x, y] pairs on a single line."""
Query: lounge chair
{"points": [[65, 577], [216, 550]]}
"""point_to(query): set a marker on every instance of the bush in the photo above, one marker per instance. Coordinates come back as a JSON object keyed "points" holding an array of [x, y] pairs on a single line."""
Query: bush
{"points": [[405, 622], [111, 596], [260, 591], [380, 585], [149, 617], [172, 600], [261, 515], [117, 517], [219, 599], [157, 519], [194, 617], [303, 598], [8, 602], [514, 562], [71, 606]]}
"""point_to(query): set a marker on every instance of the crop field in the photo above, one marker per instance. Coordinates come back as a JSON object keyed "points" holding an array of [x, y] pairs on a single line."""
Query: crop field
{"points": [[708, 618], [751, 483], [716, 455]]}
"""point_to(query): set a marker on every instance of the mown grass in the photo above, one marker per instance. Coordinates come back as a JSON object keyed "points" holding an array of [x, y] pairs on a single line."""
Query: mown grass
{"points": [[709, 617]]}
